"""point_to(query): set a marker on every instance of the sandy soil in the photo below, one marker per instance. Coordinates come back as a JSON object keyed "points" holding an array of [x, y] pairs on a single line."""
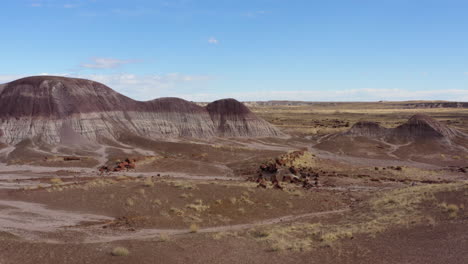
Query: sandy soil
{"points": [[189, 200]]}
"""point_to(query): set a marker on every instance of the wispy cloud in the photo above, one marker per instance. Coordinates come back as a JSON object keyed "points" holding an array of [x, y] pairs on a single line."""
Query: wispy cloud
{"points": [[338, 95], [36, 3], [194, 88], [58, 3], [144, 87], [133, 12], [213, 41], [70, 5], [106, 63], [139, 87]]}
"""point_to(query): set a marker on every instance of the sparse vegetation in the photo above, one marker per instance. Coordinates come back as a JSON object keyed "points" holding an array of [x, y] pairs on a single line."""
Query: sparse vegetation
{"points": [[120, 252], [184, 185], [194, 228], [233, 200], [198, 206], [177, 211], [56, 181], [395, 208], [149, 182], [130, 202], [164, 237], [451, 209]]}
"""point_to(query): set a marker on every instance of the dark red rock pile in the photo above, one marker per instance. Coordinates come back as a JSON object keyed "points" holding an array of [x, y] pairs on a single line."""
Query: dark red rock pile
{"points": [[125, 165], [283, 169]]}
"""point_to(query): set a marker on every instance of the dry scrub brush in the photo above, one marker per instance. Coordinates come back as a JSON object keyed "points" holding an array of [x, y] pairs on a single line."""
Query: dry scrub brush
{"points": [[402, 207]]}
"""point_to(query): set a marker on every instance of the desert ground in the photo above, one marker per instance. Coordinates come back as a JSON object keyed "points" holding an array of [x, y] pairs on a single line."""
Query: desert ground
{"points": [[316, 195]]}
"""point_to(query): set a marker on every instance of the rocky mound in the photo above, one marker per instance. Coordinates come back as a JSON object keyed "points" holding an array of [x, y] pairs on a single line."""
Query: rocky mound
{"points": [[233, 119], [68, 110], [295, 167], [423, 127], [367, 129], [418, 127]]}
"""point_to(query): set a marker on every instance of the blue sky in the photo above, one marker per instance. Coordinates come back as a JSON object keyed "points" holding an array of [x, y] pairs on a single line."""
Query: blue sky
{"points": [[347, 50]]}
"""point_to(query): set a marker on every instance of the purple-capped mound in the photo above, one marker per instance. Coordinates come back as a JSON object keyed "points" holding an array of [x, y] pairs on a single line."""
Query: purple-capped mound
{"points": [[418, 127], [59, 109], [367, 129], [423, 127], [59, 97], [231, 118]]}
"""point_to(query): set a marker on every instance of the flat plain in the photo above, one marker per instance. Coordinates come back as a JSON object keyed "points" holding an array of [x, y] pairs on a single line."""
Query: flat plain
{"points": [[328, 192]]}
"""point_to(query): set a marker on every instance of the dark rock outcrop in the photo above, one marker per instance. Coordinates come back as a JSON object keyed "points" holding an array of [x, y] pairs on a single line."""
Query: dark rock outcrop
{"points": [[69, 110], [423, 127], [232, 119], [418, 127], [367, 129]]}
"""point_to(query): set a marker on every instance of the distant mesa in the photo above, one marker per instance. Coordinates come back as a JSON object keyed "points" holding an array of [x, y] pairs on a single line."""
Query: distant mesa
{"points": [[59, 110], [418, 127]]}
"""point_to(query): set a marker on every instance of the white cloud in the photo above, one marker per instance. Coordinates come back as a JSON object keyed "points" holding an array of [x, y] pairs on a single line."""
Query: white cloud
{"points": [[106, 63], [57, 3], [213, 40], [338, 95], [8, 78], [36, 4], [147, 87], [194, 88], [466, 73], [70, 5], [139, 87]]}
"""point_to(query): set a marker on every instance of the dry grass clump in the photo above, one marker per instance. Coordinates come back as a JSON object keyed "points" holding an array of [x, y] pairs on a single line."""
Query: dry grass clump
{"points": [[56, 181], [184, 185], [411, 173], [157, 202], [120, 252], [305, 160], [198, 206], [299, 237], [451, 209], [192, 219], [164, 237], [246, 199], [403, 207], [185, 195], [177, 211], [194, 228], [130, 202], [148, 182], [295, 192], [221, 235], [233, 200]]}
